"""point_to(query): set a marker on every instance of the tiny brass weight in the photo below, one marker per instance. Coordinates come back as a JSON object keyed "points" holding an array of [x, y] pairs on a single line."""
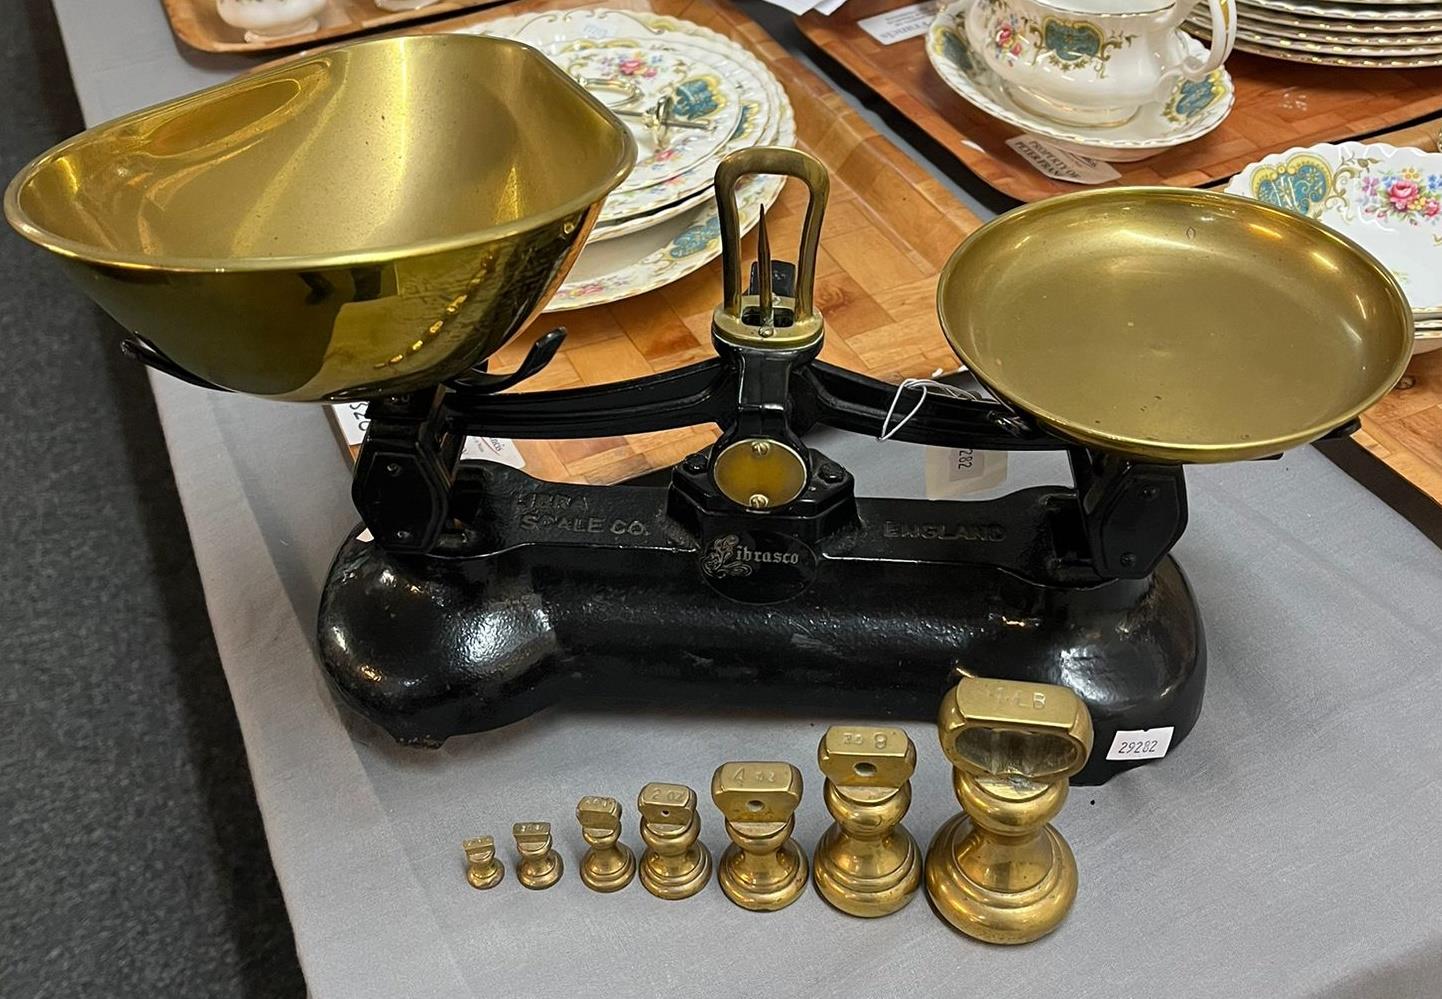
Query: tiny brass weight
{"points": [[609, 864], [763, 869], [867, 863], [540, 865], [483, 868], [675, 864], [999, 872]]}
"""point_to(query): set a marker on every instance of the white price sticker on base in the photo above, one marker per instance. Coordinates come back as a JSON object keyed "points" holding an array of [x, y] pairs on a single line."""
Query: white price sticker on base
{"points": [[956, 471], [902, 23], [1061, 164], [1141, 744]]}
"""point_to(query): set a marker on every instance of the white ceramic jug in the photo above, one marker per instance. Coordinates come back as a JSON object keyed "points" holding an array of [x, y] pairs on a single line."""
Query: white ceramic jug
{"points": [[1094, 62]]}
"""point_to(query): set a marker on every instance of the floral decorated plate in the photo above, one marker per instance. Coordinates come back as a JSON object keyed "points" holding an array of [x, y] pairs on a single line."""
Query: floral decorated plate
{"points": [[1328, 36], [1386, 198], [1193, 110], [658, 254], [649, 74], [1304, 22], [1372, 48], [716, 65], [1340, 11]]}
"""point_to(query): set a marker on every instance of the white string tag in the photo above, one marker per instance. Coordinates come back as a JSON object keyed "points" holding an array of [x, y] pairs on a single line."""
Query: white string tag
{"points": [[951, 472]]}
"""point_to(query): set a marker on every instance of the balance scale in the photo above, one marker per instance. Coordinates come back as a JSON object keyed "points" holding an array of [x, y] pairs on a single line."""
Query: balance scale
{"points": [[1136, 329]]}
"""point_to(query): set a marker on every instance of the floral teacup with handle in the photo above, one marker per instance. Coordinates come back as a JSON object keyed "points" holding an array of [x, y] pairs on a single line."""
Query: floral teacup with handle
{"points": [[1094, 62]]}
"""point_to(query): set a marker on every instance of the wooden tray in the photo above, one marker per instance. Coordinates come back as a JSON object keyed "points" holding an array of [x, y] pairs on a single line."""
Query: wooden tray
{"points": [[889, 228], [196, 23], [1279, 104]]}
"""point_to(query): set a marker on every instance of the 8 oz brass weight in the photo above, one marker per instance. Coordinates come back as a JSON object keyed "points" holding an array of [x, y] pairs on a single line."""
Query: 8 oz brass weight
{"points": [[867, 864]]}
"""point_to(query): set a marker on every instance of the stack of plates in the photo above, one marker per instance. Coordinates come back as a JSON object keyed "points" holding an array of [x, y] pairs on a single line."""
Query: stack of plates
{"points": [[661, 223], [1377, 34], [1387, 199]]}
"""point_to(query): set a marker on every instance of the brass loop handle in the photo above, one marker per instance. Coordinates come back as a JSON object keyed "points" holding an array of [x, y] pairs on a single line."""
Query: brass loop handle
{"points": [[779, 161]]}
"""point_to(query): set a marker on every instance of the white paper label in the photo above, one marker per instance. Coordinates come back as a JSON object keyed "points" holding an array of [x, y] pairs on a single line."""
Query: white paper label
{"points": [[350, 417], [902, 23], [1141, 744], [956, 471], [1061, 164], [500, 449]]}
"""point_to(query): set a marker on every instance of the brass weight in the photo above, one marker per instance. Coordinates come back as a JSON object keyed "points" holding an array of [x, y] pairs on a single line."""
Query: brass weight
{"points": [[676, 864], [999, 872], [763, 869], [867, 863]]}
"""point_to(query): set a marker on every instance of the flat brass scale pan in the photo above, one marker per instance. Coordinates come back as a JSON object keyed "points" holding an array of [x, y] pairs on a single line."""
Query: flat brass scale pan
{"points": [[370, 219], [1175, 325]]}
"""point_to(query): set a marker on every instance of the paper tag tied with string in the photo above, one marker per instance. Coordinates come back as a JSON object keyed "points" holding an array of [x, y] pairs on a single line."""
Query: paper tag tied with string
{"points": [[951, 472]]}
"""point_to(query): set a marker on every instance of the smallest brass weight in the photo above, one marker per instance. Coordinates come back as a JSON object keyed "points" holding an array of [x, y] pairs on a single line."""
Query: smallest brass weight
{"points": [[867, 864], [483, 868], [540, 866], [609, 865], [763, 869], [676, 864]]}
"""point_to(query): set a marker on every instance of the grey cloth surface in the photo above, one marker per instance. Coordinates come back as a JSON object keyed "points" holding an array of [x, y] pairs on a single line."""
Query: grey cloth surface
{"points": [[132, 858], [1286, 849]]}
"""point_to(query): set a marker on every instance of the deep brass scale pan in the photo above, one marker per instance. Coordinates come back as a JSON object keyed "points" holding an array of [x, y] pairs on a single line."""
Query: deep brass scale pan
{"points": [[370, 219], [380, 216]]}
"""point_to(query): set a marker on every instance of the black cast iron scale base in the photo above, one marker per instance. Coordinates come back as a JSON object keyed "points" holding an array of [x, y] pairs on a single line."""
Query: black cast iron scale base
{"points": [[627, 593]]}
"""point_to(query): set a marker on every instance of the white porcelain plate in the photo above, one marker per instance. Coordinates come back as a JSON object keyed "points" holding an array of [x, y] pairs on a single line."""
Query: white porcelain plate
{"points": [[1194, 109], [1386, 198], [716, 66], [1345, 35], [1370, 48], [1351, 12]]}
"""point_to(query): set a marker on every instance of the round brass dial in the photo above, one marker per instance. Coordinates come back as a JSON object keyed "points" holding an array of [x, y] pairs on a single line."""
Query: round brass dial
{"points": [[760, 473]]}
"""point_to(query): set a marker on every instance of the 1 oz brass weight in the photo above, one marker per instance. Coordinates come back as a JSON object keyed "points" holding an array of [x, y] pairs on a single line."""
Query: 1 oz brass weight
{"points": [[483, 868], [763, 869], [609, 865], [998, 871], [867, 864]]}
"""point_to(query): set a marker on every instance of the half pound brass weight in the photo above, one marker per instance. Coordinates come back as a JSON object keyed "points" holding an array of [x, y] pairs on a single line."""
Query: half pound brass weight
{"points": [[867, 864], [676, 864], [609, 865], [763, 869], [999, 872]]}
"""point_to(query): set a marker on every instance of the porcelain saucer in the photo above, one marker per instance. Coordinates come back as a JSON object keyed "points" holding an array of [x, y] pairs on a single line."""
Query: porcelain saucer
{"points": [[1193, 110]]}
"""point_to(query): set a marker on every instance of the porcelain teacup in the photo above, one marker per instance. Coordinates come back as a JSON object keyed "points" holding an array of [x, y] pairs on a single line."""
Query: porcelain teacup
{"points": [[1094, 62]]}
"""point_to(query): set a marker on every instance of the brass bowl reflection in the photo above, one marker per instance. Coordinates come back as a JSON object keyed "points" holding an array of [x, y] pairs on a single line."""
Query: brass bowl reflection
{"points": [[369, 219], [1175, 325]]}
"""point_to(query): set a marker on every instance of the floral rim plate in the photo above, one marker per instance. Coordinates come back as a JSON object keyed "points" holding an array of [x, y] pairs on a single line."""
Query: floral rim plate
{"points": [[1373, 48], [1336, 36], [1388, 199], [622, 222], [1343, 61], [1347, 12], [1261, 15], [560, 34], [702, 94], [1195, 108], [654, 257]]}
